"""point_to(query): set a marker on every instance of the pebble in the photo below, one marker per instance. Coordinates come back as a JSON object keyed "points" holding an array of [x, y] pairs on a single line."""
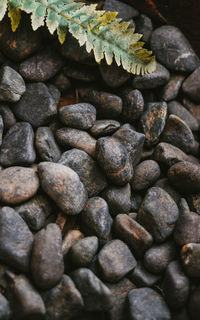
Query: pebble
{"points": [[18, 145], [118, 199], [133, 234], [146, 304], [113, 76], [178, 133], [191, 86], [174, 107], [193, 303], [63, 301], [124, 10], [194, 202], [95, 294], [153, 121], [192, 107], [87, 169], [165, 184], [158, 213], [82, 252], [185, 177], [171, 89], [187, 228], [12, 85], [150, 81], [1, 129], [74, 138], [142, 278], [144, 26], [63, 185], [35, 211], [146, 173], [114, 160], [173, 50], [96, 219], [55, 93], [70, 238], [46, 145], [8, 116], [5, 311], [18, 184], [115, 261], [36, 106], [62, 82], [175, 286], [81, 72], [79, 116], [190, 256], [41, 67], [47, 265], [16, 240], [26, 302], [133, 105], [157, 258], [104, 128]]}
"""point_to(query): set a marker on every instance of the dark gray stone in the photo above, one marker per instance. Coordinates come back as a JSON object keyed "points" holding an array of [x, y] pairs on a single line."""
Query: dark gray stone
{"points": [[95, 294], [112, 75], [61, 81], [133, 105], [63, 185], [1, 129], [80, 115], [115, 260], [171, 90], [36, 106], [16, 240], [8, 116], [47, 265], [18, 145], [5, 311], [146, 173], [125, 11], [144, 26], [81, 72], [46, 145], [96, 219], [150, 81], [194, 202], [173, 50], [158, 213], [55, 93], [143, 278], [191, 86], [146, 304], [193, 303], [87, 169], [104, 128], [165, 184], [190, 256], [82, 252], [12, 85], [187, 228], [192, 107]]}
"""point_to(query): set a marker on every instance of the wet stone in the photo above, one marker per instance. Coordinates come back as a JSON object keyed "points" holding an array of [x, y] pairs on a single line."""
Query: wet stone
{"points": [[191, 86], [153, 121], [41, 67], [118, 199], [16, 240], [158, 213], [133, 234], [115, 261], [96, 219], [193, 303], [87, 169], [171, 90], [150, 81], [132, 140], [133, 105], [125, 11], [190, 256], [63, 301], [47, 265], [104, 128], [35, 211], [62, 82], [36, 106], [8, 116], [95, 294], [142, 278], [157, 258], [18, 145], [12, 85], [114, 159], [146, 173], [18, 184], [81, 72], [145, 303], [83, 251], [185, 177], [26, 302], [63, 185], [74, 138], [144, 26], [113, 76], [175, 286], [46, 145], [192, 107], [194, 202], [178, 133], [79, 116], [5, 311], [108, 105], [174, 107], [173, 50]]}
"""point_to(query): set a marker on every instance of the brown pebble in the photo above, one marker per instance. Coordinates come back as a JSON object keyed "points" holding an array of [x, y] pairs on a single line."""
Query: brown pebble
{"points": [[190, 255]]}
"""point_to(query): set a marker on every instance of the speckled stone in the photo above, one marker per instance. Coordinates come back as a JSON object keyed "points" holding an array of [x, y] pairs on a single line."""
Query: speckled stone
{"points": [[47, 265], [143, 278], [165, 184], [133, 105], [7, 115], [61, 82], [194, 202], [187, 228], [171, 89], [190, 256], [63, 185], [82, 252], [192, 107], [70, 238], [80, 71], [112, 75], [46, 145], [18, 184], [12, 85], [104, 128], [5, 311], [146, 173], [158, 213], [191, 86], [115, 260], [144, 26], [1, 129]]}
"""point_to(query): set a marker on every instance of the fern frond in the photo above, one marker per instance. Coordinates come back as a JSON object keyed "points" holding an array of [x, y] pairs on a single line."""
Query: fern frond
{"points": [[98, 30]]}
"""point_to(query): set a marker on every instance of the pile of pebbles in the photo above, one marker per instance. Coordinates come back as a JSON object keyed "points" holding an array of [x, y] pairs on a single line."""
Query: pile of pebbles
{"points": [[99, 180]]}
